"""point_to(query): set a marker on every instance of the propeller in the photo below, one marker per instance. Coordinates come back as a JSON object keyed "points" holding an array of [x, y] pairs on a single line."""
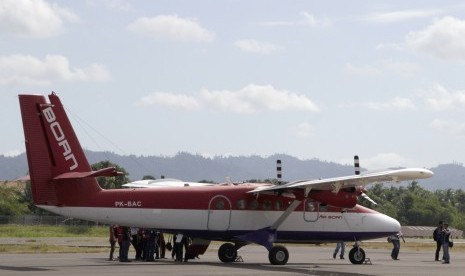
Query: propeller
{"points": [[279, 174], [365, 196], [362, 191]]}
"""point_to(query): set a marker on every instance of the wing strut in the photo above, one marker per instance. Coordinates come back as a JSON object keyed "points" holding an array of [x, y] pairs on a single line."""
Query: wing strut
{"points": [[267, 236], [336, 187], [286, 214]]}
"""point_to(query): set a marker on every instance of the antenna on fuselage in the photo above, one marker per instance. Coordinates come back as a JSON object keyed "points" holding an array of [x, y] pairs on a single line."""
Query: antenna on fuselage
{"points": [[279, 174]]}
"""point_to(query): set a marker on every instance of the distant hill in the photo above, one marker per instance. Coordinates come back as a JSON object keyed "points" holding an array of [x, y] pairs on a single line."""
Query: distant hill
{"points": [[192, 167], [446, 176]]}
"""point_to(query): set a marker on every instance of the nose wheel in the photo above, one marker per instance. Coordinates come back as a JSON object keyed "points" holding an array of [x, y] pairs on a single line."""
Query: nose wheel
{"points": [[357, 255]]}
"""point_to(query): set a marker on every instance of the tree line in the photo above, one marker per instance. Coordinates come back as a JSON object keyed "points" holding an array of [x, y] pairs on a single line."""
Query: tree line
{"points": [[410, 205], [415, 206]]}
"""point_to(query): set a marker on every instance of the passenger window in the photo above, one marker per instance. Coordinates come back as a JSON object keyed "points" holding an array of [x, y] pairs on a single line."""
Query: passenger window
{"points": [[278, 205], [254, 204], [310, 206], [219, 205], [241, 204]]}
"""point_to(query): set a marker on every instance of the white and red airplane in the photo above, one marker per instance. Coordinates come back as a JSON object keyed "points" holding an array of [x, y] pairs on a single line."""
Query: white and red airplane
{"points": [[308, 211]]}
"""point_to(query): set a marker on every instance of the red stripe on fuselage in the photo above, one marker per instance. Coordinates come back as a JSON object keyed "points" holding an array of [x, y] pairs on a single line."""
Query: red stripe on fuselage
{"points": [[218, 197]]}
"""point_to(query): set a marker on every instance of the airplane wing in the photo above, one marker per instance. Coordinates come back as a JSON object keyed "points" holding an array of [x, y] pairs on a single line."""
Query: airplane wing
{"points": [[166, 182], [337, 183]]}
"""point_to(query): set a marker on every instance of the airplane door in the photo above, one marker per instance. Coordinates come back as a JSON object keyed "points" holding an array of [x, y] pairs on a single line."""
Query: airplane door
{"points": [[219, 213], [311, 210]]}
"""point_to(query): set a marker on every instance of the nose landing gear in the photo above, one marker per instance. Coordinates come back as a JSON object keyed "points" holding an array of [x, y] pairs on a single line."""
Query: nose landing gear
{"points": [[357, 255]]}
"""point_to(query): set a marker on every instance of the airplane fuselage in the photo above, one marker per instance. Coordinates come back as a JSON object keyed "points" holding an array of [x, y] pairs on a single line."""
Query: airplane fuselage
{"points": [[223, 212]]}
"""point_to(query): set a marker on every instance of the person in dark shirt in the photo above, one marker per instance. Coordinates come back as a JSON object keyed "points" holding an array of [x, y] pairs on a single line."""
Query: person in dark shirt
{"points": [[125, 243], [438, 239]]}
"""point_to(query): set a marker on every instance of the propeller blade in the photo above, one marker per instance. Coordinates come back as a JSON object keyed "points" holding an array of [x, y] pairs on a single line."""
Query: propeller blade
{"points": [[365, 196]]}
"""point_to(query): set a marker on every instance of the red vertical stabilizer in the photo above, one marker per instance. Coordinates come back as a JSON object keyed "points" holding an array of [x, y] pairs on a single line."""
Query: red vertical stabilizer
{"points": [[53, 150]]}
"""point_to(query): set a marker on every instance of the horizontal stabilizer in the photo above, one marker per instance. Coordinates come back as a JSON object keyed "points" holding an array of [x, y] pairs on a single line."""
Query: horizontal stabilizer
{"points": [[111, 171]]}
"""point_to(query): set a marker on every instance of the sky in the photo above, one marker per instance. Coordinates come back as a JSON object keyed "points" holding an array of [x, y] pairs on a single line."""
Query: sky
{"points": [[313, 79]]}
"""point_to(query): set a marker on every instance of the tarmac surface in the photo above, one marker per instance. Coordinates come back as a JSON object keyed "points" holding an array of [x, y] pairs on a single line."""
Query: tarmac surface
{"points": [[303, 260]]}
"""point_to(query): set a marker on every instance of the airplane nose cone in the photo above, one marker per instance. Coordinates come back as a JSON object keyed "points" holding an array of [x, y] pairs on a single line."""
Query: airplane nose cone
{"points": [[425, 173], [429, 173], [390, 224], [382, 224]]}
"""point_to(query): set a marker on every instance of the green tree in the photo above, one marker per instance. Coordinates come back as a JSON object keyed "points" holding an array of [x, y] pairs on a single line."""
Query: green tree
{"points": [[113, 182], [11, 202]]}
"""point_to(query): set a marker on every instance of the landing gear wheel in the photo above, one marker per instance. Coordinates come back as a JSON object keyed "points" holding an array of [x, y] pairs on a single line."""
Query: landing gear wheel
{"points": [[227, 253], [278, 255], [357, 255]]}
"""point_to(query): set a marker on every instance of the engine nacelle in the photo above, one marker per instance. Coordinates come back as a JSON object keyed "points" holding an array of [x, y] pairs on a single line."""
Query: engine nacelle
{"points": [[345, 198]]}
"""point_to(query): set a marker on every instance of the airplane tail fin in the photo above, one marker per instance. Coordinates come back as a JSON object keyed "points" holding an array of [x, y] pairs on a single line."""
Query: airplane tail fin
{"points": [[55, 155]]}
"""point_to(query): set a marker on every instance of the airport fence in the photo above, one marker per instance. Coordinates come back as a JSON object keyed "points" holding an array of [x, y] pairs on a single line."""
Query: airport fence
{"points": [[46, 220]]}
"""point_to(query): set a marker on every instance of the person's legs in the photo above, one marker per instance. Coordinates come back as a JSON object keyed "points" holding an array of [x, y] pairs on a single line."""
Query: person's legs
{"points": [[112, 249], [338, 245], [445, 247], [438, 249]]}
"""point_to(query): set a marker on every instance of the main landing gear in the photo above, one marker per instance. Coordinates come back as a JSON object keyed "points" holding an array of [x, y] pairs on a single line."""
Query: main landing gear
{"points": [[227, 252], [278, 255]]}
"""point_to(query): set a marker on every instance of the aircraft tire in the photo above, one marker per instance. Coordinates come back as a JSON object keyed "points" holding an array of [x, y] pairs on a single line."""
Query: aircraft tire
{"points": [[357, 255], [278, 255], [227, 253]]}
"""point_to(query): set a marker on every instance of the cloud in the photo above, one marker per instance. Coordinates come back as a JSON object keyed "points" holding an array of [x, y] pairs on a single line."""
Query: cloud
{"points": [[444, 39], [303, 130], [308, 20], [362, 70], [449, 126], [171, 27], [121, 5], [402, 69], [256, 47], [33, 18], [396, 103], [250, 99], [399, 16], [12, 153], [439, 99], [28, 70], [183, 102], [390, 46], [384, 160]]}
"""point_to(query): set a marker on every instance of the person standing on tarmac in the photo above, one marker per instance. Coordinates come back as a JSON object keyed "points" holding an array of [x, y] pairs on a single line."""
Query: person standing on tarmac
{"points": [[342, 246], [173, 252], [445, 243], [178, 247], [395, 240], [135, 241], [437, 237], [161, 244], [113, 238], [125, 243], [151, 240]]}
